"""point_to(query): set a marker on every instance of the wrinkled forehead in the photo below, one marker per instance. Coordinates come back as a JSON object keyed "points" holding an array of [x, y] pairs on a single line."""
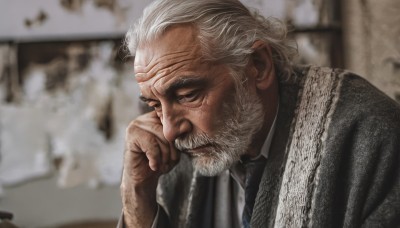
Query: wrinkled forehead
{"points": [[176, 44]]}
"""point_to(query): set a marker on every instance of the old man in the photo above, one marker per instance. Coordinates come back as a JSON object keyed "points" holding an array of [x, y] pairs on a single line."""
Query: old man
{"points": [[240, 137]]}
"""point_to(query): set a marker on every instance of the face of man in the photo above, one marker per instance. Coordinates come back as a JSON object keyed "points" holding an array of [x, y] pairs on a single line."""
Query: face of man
{"points": [[199, 107]]}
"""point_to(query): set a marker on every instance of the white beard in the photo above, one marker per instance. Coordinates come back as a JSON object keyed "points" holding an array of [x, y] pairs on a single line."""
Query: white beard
{"points": [[240, 121]]}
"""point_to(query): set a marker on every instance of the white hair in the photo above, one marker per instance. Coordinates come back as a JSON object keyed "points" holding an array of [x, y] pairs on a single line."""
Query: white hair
{"points": [[226, 31]]}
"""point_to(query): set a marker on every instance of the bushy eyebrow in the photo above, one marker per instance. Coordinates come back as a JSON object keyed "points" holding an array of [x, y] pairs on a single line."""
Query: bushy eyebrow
{"points": [[183, 82]]}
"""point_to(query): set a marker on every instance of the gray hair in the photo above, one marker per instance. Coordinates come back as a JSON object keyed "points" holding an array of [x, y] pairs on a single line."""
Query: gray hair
{"points": [[226, 31]]}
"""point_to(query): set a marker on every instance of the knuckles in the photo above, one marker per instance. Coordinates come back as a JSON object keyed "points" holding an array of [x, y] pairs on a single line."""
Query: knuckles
{"points": [[147, 122], [142, 137]]}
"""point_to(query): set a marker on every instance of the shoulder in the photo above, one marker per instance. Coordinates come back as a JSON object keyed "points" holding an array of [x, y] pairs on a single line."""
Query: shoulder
{"points": [[364, 121], [358, 101], [354, 111], [354, 98]]}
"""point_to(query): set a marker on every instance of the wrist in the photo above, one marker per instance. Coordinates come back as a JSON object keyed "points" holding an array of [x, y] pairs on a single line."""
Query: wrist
{"points": [[139, 203]]}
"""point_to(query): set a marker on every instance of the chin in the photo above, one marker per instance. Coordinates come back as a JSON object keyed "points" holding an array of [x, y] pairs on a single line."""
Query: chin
{"points": [[213, 166]]}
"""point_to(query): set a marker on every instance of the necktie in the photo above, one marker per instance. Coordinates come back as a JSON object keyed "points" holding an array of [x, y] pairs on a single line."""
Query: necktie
{"points": [[254, 171]]}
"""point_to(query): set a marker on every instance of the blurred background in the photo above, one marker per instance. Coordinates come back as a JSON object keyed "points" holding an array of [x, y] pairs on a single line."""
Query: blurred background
{"points": [[67, 92]]}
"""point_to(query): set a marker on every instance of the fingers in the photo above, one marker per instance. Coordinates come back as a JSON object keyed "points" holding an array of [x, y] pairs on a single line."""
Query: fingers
{"points": [[150, 154], [153, 156], [169, 157], [164, 155], [151, 123], [151, 148], [160, 156]]}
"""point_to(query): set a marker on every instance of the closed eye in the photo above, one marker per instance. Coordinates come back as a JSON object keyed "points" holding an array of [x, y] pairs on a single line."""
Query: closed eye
{"points": [[155, 105], [189, 97]]}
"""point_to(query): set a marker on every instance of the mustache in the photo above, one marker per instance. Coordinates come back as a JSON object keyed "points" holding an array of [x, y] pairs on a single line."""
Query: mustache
{"points": [[193, 141]]}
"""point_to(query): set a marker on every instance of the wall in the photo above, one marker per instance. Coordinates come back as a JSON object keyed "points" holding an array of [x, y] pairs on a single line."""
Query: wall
{"points": [[66, 95], [372, 42]]}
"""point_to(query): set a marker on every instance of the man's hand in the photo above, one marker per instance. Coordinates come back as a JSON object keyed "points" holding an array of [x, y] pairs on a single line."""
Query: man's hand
{"points": [[147, 155]]}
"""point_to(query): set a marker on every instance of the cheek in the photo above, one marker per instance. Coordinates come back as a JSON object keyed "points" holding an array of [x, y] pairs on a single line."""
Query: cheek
{"points": [[211, 115], [208, 118]]}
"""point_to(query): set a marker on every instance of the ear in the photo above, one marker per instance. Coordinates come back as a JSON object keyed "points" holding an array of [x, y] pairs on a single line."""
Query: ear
{"points": [[261, 65]]}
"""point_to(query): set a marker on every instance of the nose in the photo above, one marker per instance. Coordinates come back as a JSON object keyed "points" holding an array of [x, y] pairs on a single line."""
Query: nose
{"points": [[174, 124]]}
